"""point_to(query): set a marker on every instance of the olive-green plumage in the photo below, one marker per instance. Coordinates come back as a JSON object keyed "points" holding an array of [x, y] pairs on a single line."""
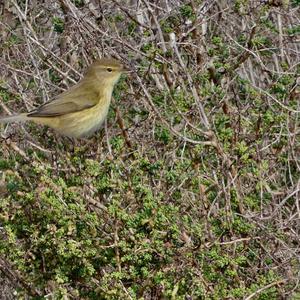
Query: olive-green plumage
{"points": [[81, 110]]}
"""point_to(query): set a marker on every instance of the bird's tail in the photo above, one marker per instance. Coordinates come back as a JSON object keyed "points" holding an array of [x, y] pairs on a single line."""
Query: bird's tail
{"points": [[14, 118]]}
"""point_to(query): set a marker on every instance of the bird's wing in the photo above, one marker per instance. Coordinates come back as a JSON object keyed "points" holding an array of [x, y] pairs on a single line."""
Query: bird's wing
{"points": [[66, 103], [53, 109]]}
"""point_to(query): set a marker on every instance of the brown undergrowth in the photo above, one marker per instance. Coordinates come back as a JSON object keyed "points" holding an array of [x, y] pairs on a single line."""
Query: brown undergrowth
{"points": [[191, 191]]}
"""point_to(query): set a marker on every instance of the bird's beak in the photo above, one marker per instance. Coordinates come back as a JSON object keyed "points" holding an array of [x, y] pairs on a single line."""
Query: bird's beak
{"points": [[125, 69]]}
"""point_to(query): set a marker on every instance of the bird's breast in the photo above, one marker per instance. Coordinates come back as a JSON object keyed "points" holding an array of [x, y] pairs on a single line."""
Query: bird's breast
{"points": [[86, 122]]}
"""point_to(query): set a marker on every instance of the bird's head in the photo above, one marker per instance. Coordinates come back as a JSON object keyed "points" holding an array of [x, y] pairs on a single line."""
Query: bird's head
{"points": [[106, 70]]}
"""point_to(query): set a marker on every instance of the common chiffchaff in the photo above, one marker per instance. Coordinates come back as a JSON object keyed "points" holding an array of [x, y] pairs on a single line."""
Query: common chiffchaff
{"points": [[81, 110]]}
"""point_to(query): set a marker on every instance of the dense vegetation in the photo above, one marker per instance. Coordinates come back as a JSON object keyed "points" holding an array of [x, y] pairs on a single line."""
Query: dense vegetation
{"points": [[192, 189]]}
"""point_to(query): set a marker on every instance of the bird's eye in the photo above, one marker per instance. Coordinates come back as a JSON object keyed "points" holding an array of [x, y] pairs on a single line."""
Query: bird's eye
{"points": [[109, 69]]}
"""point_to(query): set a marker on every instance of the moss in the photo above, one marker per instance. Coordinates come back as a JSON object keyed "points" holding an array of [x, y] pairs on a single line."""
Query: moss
{"points": [[58, 24]]}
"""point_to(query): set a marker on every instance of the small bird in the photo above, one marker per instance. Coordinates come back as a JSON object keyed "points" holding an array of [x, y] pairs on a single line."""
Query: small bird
{"points": [[81, 110]]}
